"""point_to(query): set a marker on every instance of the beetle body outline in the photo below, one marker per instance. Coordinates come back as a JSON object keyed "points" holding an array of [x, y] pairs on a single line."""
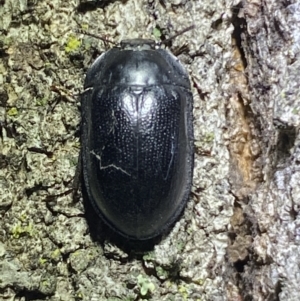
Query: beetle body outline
{"points": [[137, 138]]}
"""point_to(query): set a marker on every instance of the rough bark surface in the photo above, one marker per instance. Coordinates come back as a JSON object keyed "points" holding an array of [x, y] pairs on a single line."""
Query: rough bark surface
{"points": [[239, 236]]}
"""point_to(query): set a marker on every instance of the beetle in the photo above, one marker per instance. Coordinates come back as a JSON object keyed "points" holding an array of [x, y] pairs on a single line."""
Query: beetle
{"points": [[137, 138]]}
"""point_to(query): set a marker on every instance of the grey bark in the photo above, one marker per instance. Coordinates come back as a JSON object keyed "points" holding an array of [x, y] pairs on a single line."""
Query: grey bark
{"points": [[238, 238]]}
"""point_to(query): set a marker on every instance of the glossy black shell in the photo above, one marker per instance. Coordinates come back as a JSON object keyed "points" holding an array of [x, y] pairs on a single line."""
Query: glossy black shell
{"points": [[137, 138]]}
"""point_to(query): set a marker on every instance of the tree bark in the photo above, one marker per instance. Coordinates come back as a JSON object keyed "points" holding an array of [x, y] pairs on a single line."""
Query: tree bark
{"points": [[238, 238]]}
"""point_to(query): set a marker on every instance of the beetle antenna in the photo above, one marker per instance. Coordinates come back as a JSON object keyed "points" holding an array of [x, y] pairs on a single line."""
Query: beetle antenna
{"points": [[97, 37], [178, 34]]}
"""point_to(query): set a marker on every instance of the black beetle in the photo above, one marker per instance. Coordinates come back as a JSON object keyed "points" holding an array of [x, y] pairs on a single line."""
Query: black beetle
{"points": [[137, 138]]}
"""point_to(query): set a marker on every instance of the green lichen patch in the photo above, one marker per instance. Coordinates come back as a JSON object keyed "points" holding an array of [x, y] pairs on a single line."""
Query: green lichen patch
{"points": [[12, 112], [145, 285], [72, 45], [19, 230]]}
